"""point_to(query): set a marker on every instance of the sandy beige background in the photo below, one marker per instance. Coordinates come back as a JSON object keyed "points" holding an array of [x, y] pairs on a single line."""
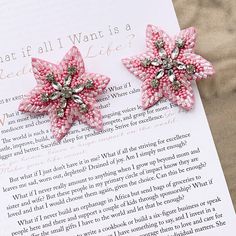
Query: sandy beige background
{"points": [[215, 21]]}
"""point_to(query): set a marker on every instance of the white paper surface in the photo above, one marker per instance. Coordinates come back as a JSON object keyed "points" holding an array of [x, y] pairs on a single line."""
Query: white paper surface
{"points": [[153, 172]]}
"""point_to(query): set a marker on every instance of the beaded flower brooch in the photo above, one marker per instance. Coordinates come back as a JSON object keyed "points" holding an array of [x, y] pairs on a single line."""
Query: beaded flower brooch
{"points": [[66, 93], [168, 67]]}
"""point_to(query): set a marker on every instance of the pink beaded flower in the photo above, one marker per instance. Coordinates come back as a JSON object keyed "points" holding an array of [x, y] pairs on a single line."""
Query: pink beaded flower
{"points": [[66, 93], [168, 66]]}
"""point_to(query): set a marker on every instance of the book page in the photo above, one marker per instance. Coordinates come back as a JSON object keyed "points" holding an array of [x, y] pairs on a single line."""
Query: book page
{"points": [[147, 173]]}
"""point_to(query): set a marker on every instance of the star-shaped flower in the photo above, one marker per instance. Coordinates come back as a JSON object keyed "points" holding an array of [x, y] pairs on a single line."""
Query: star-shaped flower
{"points": [[168, 66], [66, 93]]}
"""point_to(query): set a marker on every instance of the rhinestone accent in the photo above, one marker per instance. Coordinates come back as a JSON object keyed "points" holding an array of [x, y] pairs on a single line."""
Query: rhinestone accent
{"points": [[162, 53], [154, 83], [63, 103], [89, 84], [77, 99], [180, 43], [190, 69], [159, 43], [175, 53], [83, 108], [55, 95], [180, 65], [176, 85], [67, 80], [50, 77], [71, 70], [155, 62], [78, 88], [56, 85], [146, 62], [160, 74], [60, 112], [167, 63], [171, 75], [44, 97], [66, 92]]}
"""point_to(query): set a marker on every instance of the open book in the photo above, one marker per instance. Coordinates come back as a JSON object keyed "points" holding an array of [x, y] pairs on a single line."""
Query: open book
{"points": [[152, 172]]}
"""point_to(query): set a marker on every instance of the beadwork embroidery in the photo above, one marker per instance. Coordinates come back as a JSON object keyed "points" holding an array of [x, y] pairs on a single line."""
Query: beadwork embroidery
{"points": [[168, 66], [66, 93]]}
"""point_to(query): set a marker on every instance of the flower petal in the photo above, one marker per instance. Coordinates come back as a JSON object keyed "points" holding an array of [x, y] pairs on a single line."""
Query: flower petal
{"points": [[33, 103], [189, 37], [53, 83], [73, 58], [203, 68], [153, 34], [43, 68], [182, 97], [99, 82], [150, 95], [136, 67], [77, 99], [92, 117], [61, 126]]}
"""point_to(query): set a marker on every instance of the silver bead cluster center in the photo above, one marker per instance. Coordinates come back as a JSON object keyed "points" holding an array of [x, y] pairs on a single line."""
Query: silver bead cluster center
{"points": [[64, 92]]}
